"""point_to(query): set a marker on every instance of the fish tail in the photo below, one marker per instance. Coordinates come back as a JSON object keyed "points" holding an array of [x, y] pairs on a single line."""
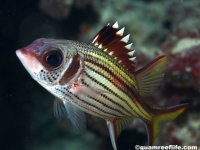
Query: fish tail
{"points": [[162, 116], [148, 78]]}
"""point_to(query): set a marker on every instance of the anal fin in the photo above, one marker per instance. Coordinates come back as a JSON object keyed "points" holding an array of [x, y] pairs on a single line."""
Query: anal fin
{"points": [[115, 126]]}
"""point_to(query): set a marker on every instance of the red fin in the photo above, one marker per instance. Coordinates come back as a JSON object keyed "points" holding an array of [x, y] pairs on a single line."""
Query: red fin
{"points": [[110, 39], [162, 116]]}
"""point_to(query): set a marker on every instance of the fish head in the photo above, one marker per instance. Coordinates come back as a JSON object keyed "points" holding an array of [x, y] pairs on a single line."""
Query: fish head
{"points": [[50, 62]]}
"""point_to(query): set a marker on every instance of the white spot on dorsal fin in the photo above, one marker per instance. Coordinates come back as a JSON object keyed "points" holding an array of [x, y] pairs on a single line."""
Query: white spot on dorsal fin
{"points": [[111, 53], [132, 59], [95, 38], [128, 46], [108, 24], [131, 53], [126, 38], [115, 25], [100, 46], [120, 32]]}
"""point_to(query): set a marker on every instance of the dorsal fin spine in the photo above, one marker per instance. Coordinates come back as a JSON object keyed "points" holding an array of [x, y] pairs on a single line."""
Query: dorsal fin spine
{"points": [[95, 38], [111, 53], [100, 46], [132, 59], [131, 53], [115, 25], [125, 39], [120, 32], [128, 46]]}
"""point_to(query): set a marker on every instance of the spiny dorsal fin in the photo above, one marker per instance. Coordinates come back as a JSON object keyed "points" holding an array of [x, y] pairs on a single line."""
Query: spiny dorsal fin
{"points": [[110, 39]]}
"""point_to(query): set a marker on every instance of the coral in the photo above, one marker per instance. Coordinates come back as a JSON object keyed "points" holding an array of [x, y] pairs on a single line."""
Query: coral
{"points": [[183, 52]]}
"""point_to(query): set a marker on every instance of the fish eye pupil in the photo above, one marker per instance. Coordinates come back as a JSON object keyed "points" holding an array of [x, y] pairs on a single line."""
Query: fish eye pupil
{"points": [[52, 59]]}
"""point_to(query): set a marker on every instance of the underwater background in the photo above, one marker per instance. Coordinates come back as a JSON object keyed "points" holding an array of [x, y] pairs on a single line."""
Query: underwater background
{"points": [[156, 27]]}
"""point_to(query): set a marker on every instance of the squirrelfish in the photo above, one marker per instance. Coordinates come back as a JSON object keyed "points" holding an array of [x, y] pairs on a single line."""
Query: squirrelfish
{"points": [[100, 79]]}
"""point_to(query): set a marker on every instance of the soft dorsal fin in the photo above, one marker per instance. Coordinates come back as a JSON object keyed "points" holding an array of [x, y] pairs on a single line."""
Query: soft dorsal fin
{"points": [[151, 75], [111, 40]]}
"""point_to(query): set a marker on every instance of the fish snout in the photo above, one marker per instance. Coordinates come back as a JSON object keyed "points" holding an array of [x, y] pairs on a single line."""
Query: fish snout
{"points": [[28, 61], [19, 54]]}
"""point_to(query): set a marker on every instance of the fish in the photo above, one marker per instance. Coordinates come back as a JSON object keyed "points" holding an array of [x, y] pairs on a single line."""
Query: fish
{"points": [[99, 78]]}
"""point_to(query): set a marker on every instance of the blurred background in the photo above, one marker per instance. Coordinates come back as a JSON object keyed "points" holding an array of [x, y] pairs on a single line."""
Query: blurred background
{"points": [[168, 27]]}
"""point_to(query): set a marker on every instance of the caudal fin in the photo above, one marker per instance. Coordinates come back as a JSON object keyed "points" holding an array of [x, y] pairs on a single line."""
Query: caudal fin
{"points": [[163, 115]]}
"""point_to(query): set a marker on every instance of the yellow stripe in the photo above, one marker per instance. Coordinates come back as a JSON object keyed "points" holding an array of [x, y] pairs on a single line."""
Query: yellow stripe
{"points": [[124, 75], [110, 96], [125, 97], [115, 69]]}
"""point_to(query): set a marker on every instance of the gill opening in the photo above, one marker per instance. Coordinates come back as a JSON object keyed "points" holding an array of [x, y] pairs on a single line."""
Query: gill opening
{"points": [[71, 72]]}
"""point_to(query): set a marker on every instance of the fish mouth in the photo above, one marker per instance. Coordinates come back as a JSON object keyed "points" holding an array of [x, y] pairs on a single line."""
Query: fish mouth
{"points": [[26, 61], [21, 58], [19, 55]]}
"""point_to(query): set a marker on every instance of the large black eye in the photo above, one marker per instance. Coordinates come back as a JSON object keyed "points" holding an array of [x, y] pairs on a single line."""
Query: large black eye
{"points": [[52, 59]]}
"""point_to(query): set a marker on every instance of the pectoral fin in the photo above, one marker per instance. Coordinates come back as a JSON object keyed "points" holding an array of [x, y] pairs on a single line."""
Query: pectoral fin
{"points": [[59, 109], [63, 109], [115, 126]]}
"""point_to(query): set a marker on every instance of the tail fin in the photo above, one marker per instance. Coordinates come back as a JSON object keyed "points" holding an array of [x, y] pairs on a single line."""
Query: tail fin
{"points": [[163, 115]]}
